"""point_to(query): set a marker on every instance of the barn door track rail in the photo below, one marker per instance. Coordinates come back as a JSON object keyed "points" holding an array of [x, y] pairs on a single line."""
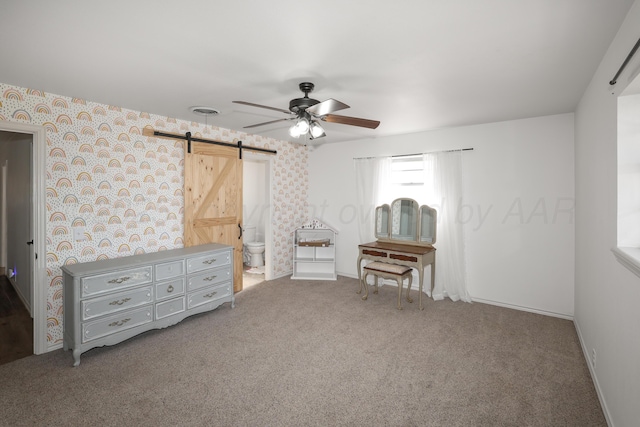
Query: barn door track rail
{"points": [[187, 137]]}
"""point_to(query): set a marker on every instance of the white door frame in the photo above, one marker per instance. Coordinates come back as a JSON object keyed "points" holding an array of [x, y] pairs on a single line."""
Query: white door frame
{"points": [[252, 156], [38, 227]]}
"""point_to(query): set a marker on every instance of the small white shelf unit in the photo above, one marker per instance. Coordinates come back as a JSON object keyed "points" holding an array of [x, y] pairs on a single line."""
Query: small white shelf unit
{"points": [[314, 252]]}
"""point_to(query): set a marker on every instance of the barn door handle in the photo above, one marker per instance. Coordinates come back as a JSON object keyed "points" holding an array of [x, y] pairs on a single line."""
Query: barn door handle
{"points": [[30, 243], [240, 236]]}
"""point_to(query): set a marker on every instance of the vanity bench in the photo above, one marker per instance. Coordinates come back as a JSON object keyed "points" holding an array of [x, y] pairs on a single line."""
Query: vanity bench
{"points": [[387, 271]]}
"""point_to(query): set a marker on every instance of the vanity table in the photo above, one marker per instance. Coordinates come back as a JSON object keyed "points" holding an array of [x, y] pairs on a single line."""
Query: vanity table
{"points": [[406, 234]]}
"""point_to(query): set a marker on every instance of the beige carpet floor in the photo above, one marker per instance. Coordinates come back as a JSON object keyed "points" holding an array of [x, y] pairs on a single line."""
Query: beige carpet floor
{"points": [[312, 353]]}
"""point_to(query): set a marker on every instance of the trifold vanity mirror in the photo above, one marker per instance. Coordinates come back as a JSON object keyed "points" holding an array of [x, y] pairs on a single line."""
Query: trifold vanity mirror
{"points": [[405, 222]]}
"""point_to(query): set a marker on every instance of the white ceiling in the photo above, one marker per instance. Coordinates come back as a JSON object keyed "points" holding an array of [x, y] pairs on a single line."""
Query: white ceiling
{"points": [[412, 64]]}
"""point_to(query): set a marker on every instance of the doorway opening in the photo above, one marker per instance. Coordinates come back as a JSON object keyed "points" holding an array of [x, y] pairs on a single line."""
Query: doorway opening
{"points": [[23, 250], [257, 207]]}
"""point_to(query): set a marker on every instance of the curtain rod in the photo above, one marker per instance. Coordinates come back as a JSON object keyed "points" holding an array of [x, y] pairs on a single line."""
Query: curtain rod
{"points": [[614, 80], [416, 154]]}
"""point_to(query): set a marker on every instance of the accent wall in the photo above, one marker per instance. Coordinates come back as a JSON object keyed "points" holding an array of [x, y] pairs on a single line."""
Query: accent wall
{"points": [[124, 191]]}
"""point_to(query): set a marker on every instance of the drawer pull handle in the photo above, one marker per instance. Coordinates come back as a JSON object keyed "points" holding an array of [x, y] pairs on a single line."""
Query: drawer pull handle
{"points": [[210, 278], [119, 322], [120, 302], [211, 261], [170, 288], [120, 280], [209, 295]]}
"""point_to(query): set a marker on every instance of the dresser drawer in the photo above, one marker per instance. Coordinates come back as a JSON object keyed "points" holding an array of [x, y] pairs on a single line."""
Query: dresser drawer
{"points": [[204, 296], [203, 262], [113, 324], [169, 289], [169, 270], [209, 278], [100, 284], [168, 308], [116, 302]]}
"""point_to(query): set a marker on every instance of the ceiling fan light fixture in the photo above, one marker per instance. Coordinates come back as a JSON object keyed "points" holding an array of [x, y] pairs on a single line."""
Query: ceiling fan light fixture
{"points": [[293, 131], [302, 126], [316, 130], [306, 112]]}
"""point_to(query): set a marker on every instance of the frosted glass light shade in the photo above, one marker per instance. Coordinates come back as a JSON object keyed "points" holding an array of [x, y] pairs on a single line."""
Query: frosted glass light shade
{"points": [[316, 130], [302, 126], [293, 131]]}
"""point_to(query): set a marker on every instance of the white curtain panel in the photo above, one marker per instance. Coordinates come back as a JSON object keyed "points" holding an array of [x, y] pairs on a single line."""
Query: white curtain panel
{"points": [[372, 178], [443, 173], [443, 192]]}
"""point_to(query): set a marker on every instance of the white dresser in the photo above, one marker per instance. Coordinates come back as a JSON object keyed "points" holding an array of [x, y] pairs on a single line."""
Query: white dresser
{"points": [[106, 302]]}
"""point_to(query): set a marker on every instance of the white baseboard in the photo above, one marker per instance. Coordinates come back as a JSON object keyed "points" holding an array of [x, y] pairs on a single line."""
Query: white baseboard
{"points": [[56, 347], [594, 378], [415, 286], [522, 308], [289, 273]]}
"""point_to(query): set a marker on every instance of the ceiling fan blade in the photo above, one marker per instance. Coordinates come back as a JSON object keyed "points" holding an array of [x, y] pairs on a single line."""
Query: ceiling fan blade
{"points": [[326, 107], [251, 104], [266, 123], [353, 121]]}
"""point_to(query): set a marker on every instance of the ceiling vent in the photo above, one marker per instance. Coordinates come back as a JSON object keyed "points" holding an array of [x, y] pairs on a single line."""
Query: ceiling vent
{"points": [[204, 111]]}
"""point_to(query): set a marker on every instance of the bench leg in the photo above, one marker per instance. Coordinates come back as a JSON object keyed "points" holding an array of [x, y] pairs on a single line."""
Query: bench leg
{"points": [[409, 299], [375, 283]]}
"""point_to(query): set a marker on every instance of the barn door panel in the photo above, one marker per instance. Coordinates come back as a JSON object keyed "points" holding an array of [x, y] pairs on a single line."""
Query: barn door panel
{"points": [[213, 200]]}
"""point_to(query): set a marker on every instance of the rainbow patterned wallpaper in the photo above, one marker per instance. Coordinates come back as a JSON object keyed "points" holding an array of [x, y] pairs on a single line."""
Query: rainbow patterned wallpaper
{"points": [[126, 189]]}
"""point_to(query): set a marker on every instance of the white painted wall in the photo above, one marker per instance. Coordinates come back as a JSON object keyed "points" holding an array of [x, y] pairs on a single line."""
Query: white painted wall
{"points": [[519, 189], [254, 196], [607, 314]]}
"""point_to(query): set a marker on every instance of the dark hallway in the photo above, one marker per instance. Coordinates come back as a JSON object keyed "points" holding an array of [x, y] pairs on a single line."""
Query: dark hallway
{"points": [[16, 326]]}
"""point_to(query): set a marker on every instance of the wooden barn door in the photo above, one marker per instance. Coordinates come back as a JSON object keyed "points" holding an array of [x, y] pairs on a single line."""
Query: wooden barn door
{"points": [[213, 200]]}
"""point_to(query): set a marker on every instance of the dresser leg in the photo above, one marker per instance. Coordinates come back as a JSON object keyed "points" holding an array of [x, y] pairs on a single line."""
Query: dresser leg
{"points": [[76, 357]]}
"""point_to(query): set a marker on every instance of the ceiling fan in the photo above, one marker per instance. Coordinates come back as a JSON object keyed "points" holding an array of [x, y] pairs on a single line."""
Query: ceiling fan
{"points": [[306, 112]]}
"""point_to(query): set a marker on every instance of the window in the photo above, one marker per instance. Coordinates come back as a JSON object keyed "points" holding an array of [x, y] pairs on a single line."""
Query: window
{"points": [[408, 177], [407, 170], [628, 239]]}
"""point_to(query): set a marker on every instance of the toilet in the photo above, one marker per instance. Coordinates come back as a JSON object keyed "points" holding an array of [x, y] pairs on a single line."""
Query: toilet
{"points": [[252, 250]]}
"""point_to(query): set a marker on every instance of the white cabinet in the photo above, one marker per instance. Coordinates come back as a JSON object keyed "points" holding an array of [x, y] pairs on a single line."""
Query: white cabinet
{"points": [[109, 301], [314, 252]]}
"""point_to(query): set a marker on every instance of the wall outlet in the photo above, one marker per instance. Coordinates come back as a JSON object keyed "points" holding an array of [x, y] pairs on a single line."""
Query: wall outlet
{"points": [[78, 233], [593, 358]]}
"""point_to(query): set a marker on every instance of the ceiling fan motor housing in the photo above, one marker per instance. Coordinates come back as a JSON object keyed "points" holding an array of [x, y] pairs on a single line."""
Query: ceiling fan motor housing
{"points": [[301, 104]]}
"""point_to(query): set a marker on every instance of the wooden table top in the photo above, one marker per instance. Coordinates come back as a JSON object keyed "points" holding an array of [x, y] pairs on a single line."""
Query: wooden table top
{"points": [[398, 247]]}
